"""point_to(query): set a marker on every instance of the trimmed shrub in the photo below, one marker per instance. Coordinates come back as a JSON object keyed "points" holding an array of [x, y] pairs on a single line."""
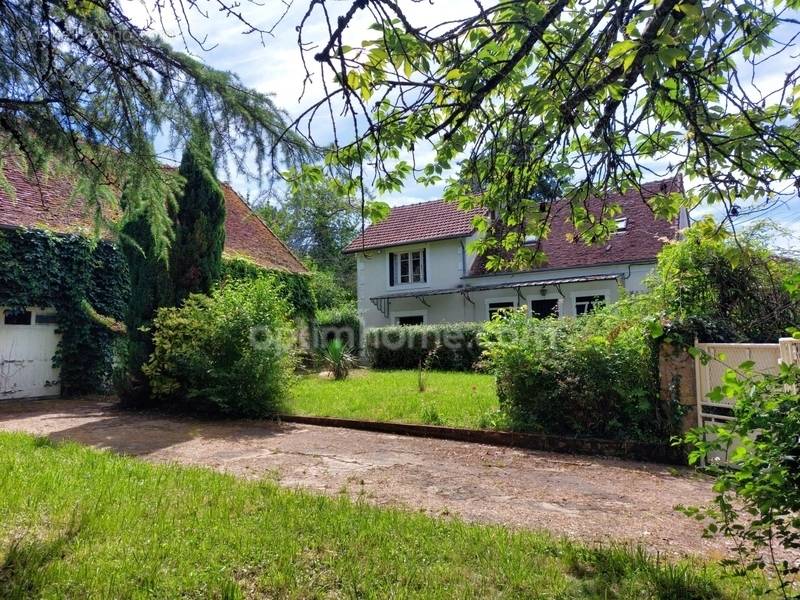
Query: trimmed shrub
{"points": [[228, 354], [443, 347], [593, 376], [342, 323]]}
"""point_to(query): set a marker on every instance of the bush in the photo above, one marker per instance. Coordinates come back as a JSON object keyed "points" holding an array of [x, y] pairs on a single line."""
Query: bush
{"points": [[721, 288], [757, 502], [444, 347], [342, 323], [330, 291], [227, 354], [594, 375], [297, 287], [337, 357]]}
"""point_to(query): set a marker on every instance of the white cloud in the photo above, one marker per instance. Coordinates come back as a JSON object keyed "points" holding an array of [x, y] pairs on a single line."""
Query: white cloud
{"points": [[275, 67]]}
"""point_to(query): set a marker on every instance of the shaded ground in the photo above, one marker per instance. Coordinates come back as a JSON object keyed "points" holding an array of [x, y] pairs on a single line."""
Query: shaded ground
{"points": [[587, 498]]}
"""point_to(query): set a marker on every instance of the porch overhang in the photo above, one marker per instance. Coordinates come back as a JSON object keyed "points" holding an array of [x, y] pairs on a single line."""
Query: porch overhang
{"points": [[382, 303]]}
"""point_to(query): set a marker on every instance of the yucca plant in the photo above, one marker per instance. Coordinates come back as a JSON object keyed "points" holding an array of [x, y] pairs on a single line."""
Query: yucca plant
{"points": [[339, 359]]}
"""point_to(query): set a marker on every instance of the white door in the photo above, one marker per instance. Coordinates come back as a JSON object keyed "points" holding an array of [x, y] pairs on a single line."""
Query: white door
{"points": [[28, 341]]}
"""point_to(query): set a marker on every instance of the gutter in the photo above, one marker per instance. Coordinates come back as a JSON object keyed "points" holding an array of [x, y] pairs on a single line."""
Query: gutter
{"points": [[549, 269]]}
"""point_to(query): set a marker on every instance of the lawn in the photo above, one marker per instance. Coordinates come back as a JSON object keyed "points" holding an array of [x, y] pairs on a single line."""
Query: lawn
{"points": [[80, 523], [454, 399]]}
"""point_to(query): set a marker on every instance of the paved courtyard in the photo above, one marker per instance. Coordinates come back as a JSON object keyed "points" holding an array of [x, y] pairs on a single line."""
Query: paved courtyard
{"points": [[587, 498]]}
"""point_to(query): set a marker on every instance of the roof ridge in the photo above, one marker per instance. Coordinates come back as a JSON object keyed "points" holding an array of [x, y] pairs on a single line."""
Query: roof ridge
{"points": [[421, 202]]}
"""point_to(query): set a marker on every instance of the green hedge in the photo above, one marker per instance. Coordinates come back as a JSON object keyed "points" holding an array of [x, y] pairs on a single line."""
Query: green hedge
{"points": [[445, 347], [591, 376], [41, 268], [297, 286], [342, 322], [228, 354]]}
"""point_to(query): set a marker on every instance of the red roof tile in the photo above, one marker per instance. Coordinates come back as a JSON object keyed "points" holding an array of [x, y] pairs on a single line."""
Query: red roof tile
{"points": [[642, 240], [47, 204], [246, 233], [423, 222], [438, 220]]}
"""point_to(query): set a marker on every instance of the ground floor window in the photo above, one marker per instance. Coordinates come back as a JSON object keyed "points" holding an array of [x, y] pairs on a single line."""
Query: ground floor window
{"points": [[17, 317], [586, 304], [410, 320], [541, 309], [498, 307]]}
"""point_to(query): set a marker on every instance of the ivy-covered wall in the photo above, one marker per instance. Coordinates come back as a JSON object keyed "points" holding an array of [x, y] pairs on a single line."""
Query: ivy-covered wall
{"points": [[44, 269], [41, 268], [297, 286]]}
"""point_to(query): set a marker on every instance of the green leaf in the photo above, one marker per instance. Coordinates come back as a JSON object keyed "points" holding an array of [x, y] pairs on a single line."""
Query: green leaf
{"points": [[622, 47], [671, 56], [376, 211], [747, 365], [656, 329], [628, 61]]}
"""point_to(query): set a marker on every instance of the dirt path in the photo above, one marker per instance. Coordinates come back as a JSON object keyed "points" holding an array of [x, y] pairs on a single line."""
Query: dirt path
{"points": [[586, 498]]}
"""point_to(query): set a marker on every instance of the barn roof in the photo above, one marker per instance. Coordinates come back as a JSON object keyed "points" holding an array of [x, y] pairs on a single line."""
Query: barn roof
{"points": [[47, 203]]}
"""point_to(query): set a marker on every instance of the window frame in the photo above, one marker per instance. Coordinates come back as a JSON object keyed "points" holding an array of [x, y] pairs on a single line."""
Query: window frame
{"points": [[556, 299], [7, 311], [409, 313], [397, 256], [502, 300], [587, 293]]}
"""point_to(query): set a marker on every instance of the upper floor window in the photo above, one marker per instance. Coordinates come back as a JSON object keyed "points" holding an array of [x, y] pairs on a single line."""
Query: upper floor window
{"points": [[622, 224], [407, 267]]}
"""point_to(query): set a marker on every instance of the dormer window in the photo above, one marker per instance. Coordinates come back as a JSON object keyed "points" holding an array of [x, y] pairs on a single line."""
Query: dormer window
{"points": [[622, 224], [407, 267]]}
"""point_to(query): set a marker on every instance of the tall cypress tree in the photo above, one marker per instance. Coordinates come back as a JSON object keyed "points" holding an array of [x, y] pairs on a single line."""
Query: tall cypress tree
{"points": [[151, 288], [196, 255]]}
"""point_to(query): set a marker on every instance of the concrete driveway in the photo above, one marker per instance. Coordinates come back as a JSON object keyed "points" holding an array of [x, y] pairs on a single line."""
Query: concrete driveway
{"points": [[586, 498]]}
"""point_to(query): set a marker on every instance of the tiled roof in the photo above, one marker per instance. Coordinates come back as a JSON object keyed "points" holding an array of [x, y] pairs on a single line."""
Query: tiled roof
{"points": [[642, 240], [246, 233], [423, 222], [47, 204], [438, 220]]}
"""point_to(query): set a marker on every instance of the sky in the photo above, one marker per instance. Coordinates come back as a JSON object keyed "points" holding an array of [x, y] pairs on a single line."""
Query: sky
{"points": [[275, 67]]}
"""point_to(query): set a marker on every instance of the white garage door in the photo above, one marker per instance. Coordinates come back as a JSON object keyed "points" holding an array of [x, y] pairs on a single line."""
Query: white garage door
{"points": [[28, 341]]}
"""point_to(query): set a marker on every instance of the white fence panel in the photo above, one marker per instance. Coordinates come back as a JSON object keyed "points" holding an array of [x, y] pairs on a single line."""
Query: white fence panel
{"points": [[709, 375]]}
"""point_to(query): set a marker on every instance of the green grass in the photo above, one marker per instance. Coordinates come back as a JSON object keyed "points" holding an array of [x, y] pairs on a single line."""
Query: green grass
{"points": [[80, 523], [453, 399]]}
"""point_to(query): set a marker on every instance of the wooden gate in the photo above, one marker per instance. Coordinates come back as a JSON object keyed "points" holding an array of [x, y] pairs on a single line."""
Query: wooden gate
{"points": [[28, 341]]}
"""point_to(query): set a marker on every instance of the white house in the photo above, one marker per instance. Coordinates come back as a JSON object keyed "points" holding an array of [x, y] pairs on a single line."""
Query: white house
{"points": [[416, 267]]}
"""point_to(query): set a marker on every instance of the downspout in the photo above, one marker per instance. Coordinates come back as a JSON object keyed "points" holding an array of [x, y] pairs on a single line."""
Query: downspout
{"points": [[463, 274]]}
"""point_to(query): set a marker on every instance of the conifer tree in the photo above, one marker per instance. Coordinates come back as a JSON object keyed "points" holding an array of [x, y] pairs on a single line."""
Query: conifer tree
{"points": [[196, 254], [151, 289]]}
